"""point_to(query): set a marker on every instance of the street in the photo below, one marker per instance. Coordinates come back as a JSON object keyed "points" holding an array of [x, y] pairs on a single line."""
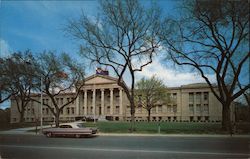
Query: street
{"points": [[108, 147]]}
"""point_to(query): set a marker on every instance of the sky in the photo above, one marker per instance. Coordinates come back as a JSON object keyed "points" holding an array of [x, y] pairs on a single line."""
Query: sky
{"points": [[38, 26]]}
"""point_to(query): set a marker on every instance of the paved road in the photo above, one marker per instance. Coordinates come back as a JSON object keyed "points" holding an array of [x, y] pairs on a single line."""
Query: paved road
{"points": [[134, 147]]}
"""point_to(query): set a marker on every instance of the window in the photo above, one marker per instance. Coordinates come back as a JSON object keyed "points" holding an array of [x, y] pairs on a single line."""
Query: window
{"points": [[139, 109], [108, 109], [62, 101], [73, 101], [206, 118], [191, 97], [198, 108], [68, 111], [198, 97], [67, 99], [47, 101], [154, 110], [175, 108], [205, 96], [174, 97], [47, 110], [72, 110], [191, 108], [117, 109], [169, 108], [191, 118], [57, 100], [128, 109], [33, 111], [169, 118], [199, 118], [160, 109], [206, 109]]}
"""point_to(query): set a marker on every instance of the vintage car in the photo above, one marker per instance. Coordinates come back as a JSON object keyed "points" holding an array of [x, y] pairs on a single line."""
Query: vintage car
{"points": [[70, 129]]}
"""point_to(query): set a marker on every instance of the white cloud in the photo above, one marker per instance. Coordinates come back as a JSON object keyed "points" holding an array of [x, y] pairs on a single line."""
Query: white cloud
{"points": [[5, 49], [171, 76]]}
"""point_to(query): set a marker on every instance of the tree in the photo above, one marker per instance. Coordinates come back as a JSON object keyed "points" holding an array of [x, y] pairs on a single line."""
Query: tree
{"points": [[123, 38], [5, 82], [150, 93], [212, 37], [18, 79], [59, 75]]}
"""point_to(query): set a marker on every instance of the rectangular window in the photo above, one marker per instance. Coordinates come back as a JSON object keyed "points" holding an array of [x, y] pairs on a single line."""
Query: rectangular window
{"points": [[169, 108], [128, 109], [68, 111], [47, 101], [160, 109], [191, 108], [206, 109], [198, 97], [191, 97], [108, 109], [174, 97], [154, 110], [117, 109], [205, 96], [175, 108], [198, 108], [47, 110], [73, 100], [72, 110], [61, 101]]}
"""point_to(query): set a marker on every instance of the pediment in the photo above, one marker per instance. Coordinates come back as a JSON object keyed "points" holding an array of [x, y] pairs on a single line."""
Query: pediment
{"points": [[100, 79]]}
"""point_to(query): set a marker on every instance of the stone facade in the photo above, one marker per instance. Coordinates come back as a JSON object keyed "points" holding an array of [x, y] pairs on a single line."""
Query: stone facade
{"points": [[102, 95]]}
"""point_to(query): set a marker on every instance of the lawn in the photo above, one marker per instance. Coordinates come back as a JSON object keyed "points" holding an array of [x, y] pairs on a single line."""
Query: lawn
{"points": [[153, 127]]}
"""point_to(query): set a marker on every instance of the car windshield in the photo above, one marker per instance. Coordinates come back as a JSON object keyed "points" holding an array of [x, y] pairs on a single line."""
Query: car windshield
{"points": [[80, 125]]}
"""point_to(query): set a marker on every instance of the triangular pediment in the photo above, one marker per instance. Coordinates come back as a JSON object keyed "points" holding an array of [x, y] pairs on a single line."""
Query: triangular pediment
{"points": [[100, 79]]}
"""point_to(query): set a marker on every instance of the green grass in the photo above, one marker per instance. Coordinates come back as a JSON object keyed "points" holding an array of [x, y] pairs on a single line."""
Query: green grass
{"points": [[166, 127], [152, 127]]}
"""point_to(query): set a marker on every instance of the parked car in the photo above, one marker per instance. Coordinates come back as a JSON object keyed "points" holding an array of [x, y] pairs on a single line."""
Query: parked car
{"points": [[70, 129]]}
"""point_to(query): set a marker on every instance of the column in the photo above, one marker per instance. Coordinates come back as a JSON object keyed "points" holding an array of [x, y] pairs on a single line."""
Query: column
{"points": [[93, 101], [102, 101], [85, 101], [120, 102], [77, 105], [111, 101]]}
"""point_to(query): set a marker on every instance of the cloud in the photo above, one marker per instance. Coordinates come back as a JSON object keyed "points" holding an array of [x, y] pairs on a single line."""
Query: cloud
{"points": [[171, 76], [5, 49]]}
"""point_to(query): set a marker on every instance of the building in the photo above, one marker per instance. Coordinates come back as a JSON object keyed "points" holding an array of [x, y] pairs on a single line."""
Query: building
{"points": [[101, 94]]}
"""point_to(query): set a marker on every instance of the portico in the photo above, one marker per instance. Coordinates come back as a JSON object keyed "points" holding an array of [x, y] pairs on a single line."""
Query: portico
{"points": [[101, 97]]}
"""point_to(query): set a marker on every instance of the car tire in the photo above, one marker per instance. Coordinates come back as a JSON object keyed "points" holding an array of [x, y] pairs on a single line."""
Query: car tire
{"points": [[49, 134], [77, 135]]}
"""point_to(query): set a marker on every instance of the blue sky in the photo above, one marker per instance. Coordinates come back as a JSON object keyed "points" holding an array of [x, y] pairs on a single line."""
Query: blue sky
{"points": [[38, 26]]}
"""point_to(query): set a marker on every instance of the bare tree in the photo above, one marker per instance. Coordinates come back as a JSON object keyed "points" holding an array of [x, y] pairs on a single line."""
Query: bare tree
{"points": [[212, 37], [150, 93], [123, 38], [59, 75], [18, 79], [5, 81]]}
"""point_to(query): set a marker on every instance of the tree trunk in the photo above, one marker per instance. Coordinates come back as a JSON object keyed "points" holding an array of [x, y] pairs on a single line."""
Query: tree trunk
{"points": [[57, 119], [21, 120], [226, 117], [132, 128], [149, 112]]}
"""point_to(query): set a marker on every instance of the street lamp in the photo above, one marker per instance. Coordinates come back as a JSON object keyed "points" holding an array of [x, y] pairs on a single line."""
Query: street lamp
{"points": [[41, 106]]}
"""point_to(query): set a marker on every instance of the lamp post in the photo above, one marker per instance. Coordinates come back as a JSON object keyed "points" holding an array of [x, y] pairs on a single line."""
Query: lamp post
{"points": [[41, 106]]}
